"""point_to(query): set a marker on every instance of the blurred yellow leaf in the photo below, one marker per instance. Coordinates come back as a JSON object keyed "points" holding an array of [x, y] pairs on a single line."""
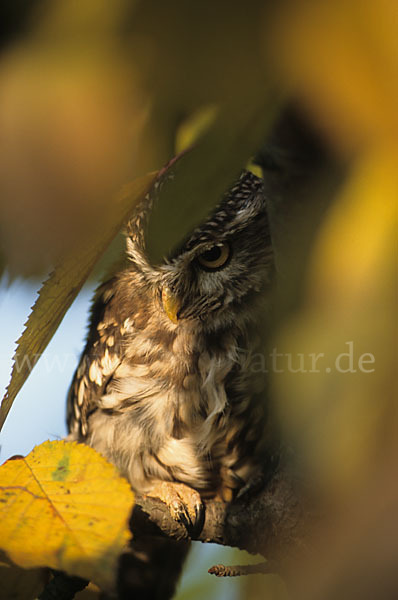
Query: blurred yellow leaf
{"points": [[71, 119], [340, 408], [93, 94], [194, 126], [98, 18], [341, 58], [204, 173], [63, 285], [359, 237], [64, 506]]}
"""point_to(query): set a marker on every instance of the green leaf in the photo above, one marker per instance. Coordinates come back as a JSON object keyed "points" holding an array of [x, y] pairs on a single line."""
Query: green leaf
{"points": [[63, 285], [207, 171]]}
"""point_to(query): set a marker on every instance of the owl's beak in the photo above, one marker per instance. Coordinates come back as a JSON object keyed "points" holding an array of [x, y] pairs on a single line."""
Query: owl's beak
{"points": [[171, 304]]}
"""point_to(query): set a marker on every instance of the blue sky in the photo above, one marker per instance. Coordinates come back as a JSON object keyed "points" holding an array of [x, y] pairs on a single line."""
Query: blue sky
{"points": [[38, 412]]}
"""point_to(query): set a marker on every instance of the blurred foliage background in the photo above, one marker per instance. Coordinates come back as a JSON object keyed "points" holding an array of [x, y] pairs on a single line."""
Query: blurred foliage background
{"points": [[94, 94]]}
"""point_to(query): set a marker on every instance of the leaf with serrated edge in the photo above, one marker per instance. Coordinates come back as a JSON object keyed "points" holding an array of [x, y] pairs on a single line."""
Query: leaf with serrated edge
{"points": [[64, 506], [61, 288]]}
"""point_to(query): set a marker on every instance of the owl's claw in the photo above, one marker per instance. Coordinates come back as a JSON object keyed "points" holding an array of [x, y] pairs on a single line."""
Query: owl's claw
{"points": [[199, 518], [180, 513], [184, 503]]}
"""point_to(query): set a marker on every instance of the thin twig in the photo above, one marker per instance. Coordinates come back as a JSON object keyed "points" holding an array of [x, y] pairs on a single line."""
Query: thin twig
{"points": [[263, 568]]}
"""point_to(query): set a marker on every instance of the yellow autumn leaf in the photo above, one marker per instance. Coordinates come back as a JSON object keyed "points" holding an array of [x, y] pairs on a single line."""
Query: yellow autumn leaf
{"points": [[64, 506], [359, 237], [63, 285], [335, 393], [340, 58], [72, 114]]}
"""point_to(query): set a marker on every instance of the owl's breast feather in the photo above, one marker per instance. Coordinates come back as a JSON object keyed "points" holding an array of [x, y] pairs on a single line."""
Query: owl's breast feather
{"points": [[166, 416]]}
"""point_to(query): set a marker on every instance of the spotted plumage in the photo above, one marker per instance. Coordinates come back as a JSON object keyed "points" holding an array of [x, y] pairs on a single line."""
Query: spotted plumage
{"points": [[165, 388]]}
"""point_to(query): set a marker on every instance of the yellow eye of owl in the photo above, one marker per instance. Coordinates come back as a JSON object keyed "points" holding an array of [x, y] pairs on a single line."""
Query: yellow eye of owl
{"points": [[215, 257]]}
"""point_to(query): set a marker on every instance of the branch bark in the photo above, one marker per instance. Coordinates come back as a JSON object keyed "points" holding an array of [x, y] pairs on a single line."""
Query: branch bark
{"points": [[269, 523]]}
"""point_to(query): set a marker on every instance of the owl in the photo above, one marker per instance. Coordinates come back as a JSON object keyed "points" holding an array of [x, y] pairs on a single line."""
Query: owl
{"points": [[165, 388]]}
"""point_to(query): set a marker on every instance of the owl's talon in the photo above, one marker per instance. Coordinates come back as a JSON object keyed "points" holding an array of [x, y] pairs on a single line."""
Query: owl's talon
{"points": [[179, 513], [199, 518], [182, 516], [184, 503]]}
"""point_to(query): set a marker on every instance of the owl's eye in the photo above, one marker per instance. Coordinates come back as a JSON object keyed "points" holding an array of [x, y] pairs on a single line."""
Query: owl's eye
{"points": [[215, 257]]}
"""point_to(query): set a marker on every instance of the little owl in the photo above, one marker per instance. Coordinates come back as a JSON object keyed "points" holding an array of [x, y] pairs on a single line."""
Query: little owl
{"points": [[165, 388]]}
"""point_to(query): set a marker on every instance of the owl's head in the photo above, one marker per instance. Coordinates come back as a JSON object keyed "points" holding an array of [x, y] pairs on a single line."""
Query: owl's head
{"points": [[223, 266]]}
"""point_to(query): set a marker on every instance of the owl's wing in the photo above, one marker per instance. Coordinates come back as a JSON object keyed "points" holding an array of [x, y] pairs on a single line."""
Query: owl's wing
{"points": [[102, 355]]}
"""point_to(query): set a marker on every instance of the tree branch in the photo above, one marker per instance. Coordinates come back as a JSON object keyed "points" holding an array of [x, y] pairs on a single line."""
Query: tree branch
{"points": [[270, 523]]}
